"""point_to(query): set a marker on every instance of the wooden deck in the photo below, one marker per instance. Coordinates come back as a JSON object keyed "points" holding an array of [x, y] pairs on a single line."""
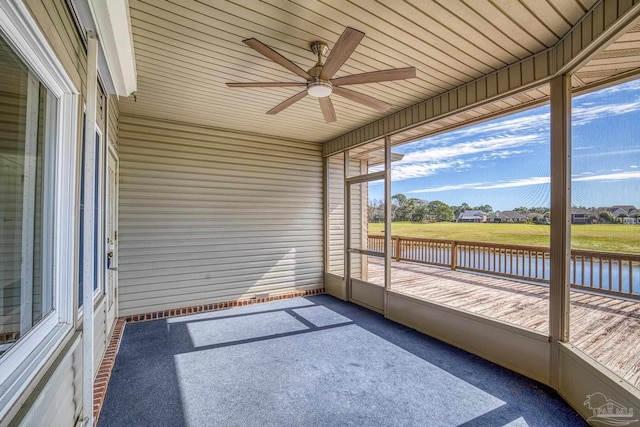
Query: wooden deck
{"points": [[606, 328]]}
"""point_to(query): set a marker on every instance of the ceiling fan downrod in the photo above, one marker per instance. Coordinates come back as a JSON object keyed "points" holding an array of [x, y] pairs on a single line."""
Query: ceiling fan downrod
{"points": [[318, 88]]}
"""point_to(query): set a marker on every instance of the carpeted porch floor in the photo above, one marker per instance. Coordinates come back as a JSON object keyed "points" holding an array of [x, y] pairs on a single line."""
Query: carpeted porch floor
{"points": [[313, 361]]}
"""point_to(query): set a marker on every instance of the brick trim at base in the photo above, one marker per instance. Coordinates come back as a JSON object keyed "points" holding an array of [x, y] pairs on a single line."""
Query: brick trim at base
{"points": [[218, 306], [101, 382]]}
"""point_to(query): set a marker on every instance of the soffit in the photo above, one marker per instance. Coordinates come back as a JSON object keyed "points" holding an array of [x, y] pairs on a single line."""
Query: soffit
{"points": [[619, 59], [616, 63], [186, 50]]}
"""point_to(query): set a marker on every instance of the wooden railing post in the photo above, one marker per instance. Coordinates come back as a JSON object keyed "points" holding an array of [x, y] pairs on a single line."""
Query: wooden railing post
{"points": [[454, 255], [398, 248]]}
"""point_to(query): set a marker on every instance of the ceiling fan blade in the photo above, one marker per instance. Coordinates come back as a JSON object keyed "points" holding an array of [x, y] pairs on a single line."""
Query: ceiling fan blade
{"points": [[295, 98], [266, 84], [276, 57], [342, 50], [328, 111], [363, 99], [376, 76]]}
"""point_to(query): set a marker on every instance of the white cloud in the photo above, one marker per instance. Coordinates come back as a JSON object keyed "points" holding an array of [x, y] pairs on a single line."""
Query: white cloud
{"points": [[523, 182], [536, 123], [501, 154], [401, 171], [633, 85], [427, 161], [534, 180], [633, 166], [584, 115], [468, 148], [471, 185], [621, 176], [600, 152]]}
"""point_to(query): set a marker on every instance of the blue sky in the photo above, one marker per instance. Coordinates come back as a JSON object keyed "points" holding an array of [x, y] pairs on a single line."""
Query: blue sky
{"points": [[505, 162]]}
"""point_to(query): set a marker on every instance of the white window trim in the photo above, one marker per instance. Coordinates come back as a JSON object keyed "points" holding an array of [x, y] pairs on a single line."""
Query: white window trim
{"points": [[24, 361]]}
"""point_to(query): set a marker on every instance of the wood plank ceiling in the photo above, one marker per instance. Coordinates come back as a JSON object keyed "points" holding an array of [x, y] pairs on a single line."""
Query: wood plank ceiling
{"points": [[186, 50]]}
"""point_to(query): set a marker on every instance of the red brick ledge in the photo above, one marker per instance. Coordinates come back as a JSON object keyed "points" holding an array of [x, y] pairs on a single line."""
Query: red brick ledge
{"points": [[101, 382], [104, 373], [218, 306]]}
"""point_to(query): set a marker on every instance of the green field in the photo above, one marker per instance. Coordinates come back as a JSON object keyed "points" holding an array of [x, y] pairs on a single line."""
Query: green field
{"points": [[597, 237]]}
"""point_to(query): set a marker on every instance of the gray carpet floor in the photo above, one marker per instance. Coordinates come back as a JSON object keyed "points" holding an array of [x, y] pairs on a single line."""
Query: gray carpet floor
{"points": [[313, 361]]}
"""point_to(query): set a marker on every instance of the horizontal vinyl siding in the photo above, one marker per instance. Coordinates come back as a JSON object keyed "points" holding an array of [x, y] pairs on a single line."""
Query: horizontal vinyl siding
{"points": [[56, 23], [113, 120], [59, 401], [208, 215]]}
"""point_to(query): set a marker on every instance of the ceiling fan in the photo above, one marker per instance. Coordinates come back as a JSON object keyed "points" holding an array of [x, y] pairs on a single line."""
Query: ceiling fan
{"points": [[319, 79]]}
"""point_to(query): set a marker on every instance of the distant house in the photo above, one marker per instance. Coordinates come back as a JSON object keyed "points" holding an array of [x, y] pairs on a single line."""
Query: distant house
{"points": [[582, 216], [508, 216], [621, 212], [626, 208], [472, 216]]}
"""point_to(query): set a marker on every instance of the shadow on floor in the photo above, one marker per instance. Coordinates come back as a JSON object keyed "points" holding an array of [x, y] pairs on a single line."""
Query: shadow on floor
{"points": [[313, 361]]}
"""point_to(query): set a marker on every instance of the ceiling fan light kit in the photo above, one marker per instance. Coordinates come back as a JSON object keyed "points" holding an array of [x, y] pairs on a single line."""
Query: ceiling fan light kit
{"points": [[319, 79], [319, 88]]}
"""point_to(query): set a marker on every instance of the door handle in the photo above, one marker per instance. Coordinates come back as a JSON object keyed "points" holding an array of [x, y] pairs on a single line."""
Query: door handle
{"points": [[110, 261]]}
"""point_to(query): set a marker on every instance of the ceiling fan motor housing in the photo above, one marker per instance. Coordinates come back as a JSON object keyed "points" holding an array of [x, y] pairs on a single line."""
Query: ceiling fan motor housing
{"points": [[319, 88], [319, 48]]}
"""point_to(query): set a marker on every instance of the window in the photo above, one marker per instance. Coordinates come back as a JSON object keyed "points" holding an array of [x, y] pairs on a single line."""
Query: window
{"points": [[26, 168], [38, 118]]}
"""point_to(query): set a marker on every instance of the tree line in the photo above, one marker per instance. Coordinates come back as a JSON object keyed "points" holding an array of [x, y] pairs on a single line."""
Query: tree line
{"points": [[423, 211], [417, 210]]}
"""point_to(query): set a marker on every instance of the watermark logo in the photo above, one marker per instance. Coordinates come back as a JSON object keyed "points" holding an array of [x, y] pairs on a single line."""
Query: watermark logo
{"points": [[608, 412]]}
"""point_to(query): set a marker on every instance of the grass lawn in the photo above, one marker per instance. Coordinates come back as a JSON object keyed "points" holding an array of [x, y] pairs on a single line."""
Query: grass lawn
{"points": [[597, 237]]}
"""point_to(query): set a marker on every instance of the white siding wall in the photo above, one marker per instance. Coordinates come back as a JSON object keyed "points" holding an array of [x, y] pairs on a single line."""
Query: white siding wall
{"points": [[59, 401], [207, 215]]}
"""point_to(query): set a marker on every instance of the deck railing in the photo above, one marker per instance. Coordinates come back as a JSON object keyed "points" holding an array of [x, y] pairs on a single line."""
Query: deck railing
{"points": [[606, 272]]}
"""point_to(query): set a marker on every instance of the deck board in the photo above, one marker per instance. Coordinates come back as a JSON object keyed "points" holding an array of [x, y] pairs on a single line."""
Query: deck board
{"points": [[604, 327]]}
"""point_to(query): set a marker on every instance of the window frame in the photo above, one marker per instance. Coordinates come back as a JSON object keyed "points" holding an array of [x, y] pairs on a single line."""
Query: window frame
{"points": [[25, 360]]}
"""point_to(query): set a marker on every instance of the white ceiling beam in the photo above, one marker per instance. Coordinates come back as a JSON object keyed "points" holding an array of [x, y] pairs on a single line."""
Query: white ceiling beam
{"points": [[113, 26]]}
